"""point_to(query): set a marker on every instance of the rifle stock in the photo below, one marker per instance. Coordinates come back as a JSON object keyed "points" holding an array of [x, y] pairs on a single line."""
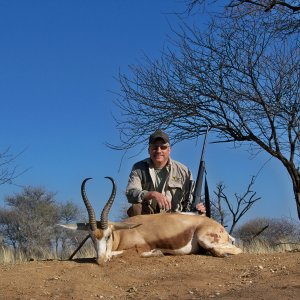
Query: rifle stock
{"points": [[198, 185], [207, 200]]}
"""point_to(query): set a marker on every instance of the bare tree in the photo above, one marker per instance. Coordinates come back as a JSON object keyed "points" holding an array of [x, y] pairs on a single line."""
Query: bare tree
{"points": [[68, 212], [265, 5], [280, 16], [217, 209], [275, 231], [28, 222], [32, 214], [9, 229], [224, 206], [236, 78], [8, 168]]}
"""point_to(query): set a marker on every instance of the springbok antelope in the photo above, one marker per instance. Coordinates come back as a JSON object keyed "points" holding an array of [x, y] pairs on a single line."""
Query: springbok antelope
{"points": [[153, 235]]}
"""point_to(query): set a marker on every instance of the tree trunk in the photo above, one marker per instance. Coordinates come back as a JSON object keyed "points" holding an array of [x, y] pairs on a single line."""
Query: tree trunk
{"points": [[296, 187], [297, 198], [295, 177]]}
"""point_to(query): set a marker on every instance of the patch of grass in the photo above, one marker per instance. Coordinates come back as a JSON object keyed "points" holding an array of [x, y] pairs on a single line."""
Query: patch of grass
{"points": [[255, 246], [262, 246], [9, 256]]}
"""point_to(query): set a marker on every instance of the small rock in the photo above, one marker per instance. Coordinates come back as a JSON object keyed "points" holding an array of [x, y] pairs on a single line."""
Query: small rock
{"points": [[132, 290]]}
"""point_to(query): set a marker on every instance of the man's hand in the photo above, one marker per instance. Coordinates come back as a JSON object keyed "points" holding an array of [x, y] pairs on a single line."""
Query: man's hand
{"points": [[162, 201], [201, 208]]}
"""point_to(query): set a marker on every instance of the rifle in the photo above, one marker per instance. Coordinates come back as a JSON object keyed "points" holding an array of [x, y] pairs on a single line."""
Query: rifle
{"points": [[199, 181]]}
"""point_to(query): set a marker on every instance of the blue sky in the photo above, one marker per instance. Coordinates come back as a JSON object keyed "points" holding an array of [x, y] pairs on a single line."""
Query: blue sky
{"points": [[58, 64]]}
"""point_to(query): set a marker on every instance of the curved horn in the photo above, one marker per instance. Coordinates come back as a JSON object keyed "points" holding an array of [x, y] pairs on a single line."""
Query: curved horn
{"points": [[90, 210], [106, 209]]}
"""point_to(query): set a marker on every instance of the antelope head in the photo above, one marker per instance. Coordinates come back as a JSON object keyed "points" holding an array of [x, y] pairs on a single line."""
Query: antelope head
{"points": [[102, 232]]}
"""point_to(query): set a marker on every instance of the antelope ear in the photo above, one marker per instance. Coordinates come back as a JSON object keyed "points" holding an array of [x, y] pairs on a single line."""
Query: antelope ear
{"points": [[76, 226], [122, 225]]}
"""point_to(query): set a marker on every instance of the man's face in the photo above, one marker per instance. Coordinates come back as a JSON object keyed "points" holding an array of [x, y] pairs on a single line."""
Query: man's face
{"points": [[159, 153]]}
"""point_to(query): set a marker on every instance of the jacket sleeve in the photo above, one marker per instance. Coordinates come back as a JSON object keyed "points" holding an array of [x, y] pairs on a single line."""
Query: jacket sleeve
{"points": [[134, 190]]}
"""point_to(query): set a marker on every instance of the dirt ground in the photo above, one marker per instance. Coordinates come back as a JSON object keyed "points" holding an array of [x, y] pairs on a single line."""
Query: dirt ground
{"points": [[244, 276]]}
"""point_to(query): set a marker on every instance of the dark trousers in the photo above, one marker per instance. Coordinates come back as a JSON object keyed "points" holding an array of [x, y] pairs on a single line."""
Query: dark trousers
{"points": [[141, 209]]}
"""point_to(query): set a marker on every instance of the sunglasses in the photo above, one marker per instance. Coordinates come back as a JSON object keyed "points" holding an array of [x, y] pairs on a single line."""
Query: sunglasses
{"points": [[162, 147]]}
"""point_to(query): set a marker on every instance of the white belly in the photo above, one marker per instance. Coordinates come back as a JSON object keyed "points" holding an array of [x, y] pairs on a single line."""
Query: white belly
{"points": [[190, 248]]}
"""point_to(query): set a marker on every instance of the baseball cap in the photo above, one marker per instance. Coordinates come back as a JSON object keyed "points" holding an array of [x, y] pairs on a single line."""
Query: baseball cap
{"points": [[159, 134]]}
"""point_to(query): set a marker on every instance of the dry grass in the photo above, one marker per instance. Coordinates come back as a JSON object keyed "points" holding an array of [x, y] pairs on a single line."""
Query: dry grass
{"points": [[258, 246], [9, 256], [261, 246]]}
